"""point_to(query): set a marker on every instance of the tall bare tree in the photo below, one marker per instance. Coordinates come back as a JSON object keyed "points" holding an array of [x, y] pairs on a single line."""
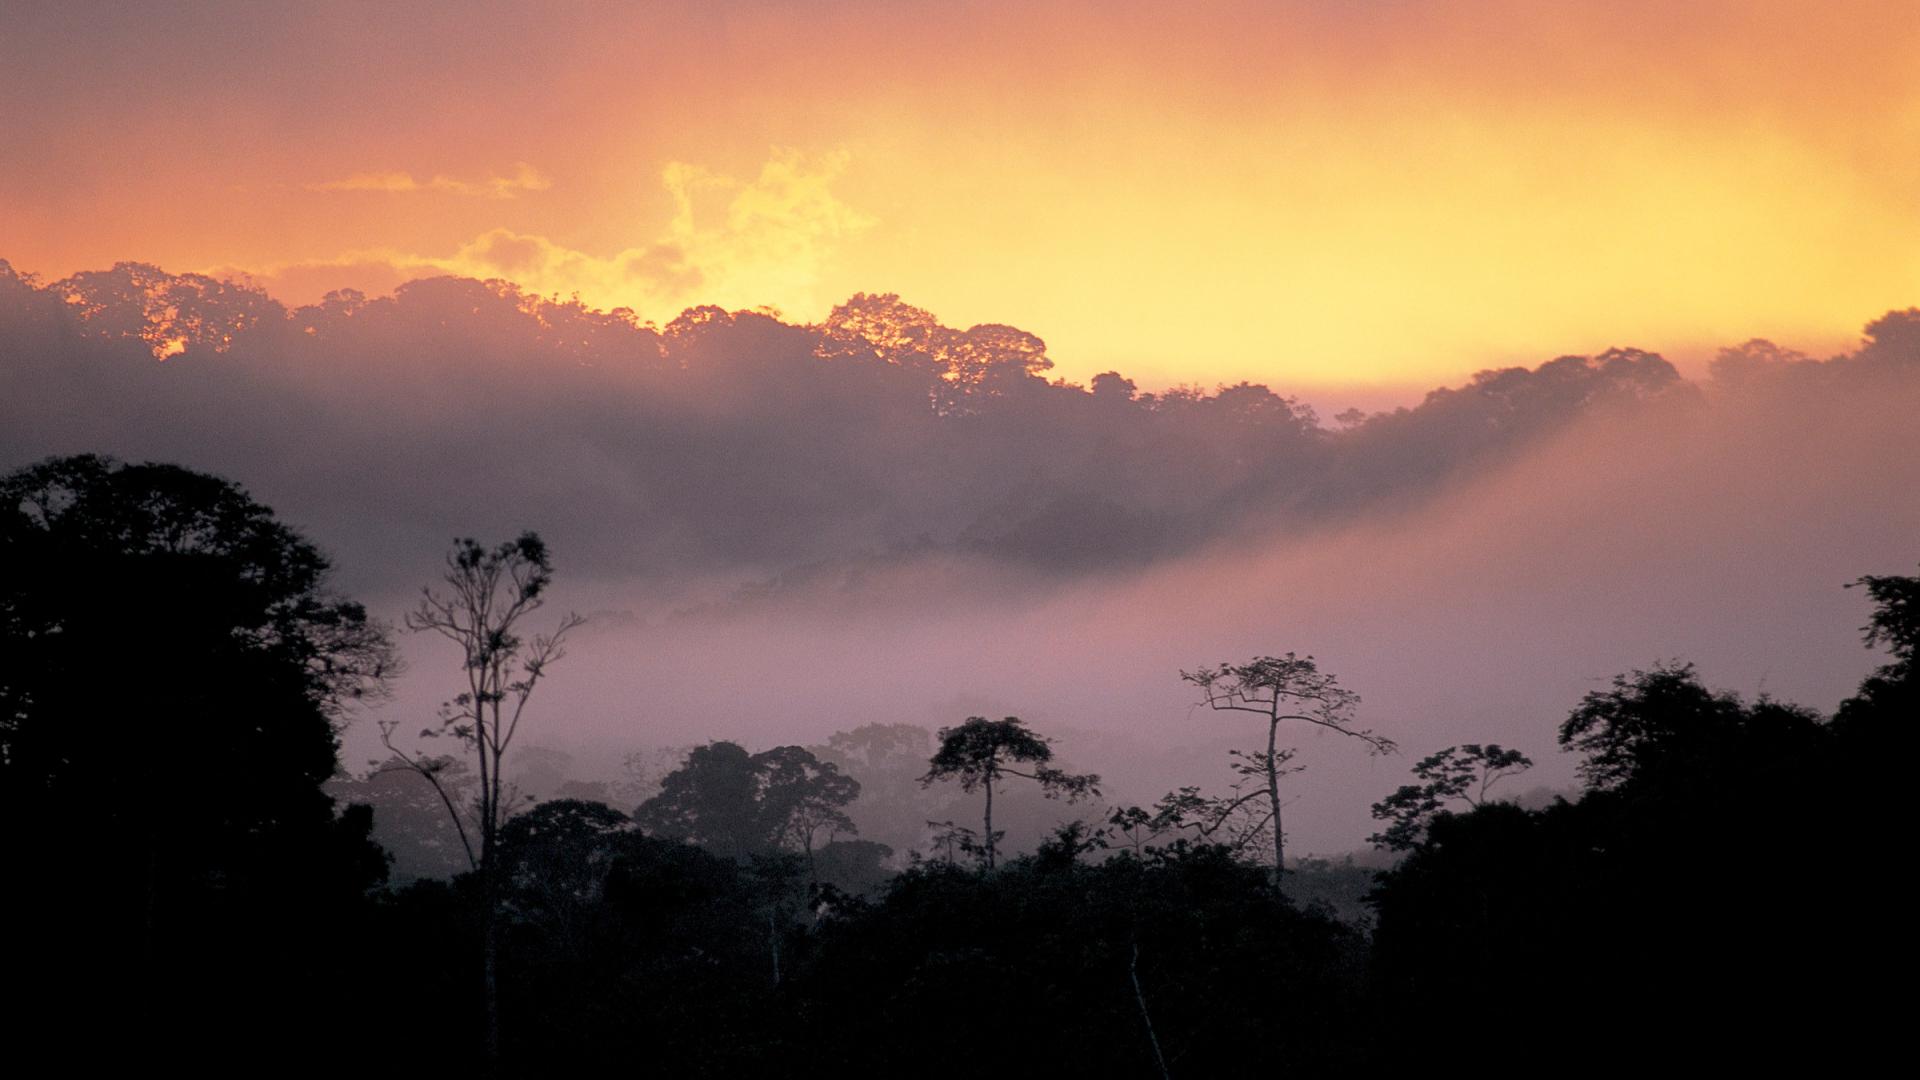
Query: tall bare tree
{"points": [[1282, 688], [489, 593]]}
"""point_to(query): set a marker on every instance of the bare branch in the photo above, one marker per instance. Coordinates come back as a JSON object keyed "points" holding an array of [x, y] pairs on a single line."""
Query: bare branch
{"points": [[426, 771]]}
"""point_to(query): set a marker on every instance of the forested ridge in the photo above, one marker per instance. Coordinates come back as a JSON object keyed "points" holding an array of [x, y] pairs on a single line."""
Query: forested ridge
{"points": [[769, 452]]}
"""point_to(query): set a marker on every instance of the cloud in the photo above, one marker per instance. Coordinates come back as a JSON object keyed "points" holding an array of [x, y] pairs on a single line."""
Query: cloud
{"points": [[523, 178], [762, 241]]}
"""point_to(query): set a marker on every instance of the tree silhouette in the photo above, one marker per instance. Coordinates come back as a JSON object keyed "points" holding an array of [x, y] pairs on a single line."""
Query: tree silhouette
{"points": [[173, 672], [1282, 688], [710, 800], [979, 752], [490, 592], [1458, 772], [1659, 721], [802, 797], [1230, 821], [554, 862], [743, 805], [1892, 692], [1896, 617]]}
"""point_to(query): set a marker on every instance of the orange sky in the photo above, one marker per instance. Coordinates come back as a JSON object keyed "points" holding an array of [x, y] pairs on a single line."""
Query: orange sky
{"points": [[1315, 195]]}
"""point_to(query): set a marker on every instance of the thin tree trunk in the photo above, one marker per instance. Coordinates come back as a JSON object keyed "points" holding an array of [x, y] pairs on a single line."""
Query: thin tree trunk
{"points": [[989, 821], [490, 979], [1139, 996], [773, 940], [489, 896], [1273, 797], [489, 949]]}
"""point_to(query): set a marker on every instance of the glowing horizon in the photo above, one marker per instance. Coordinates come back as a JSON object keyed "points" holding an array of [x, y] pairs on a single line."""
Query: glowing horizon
{"points": [[1310, 195]]}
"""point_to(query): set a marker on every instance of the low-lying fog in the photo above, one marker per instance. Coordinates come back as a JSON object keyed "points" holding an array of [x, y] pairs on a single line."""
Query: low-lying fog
{"points": [[784, 531]]}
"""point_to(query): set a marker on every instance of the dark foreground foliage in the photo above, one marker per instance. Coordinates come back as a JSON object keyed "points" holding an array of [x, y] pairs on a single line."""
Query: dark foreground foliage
{"points": [[182, 891], [170, 670], [1671, 906]]}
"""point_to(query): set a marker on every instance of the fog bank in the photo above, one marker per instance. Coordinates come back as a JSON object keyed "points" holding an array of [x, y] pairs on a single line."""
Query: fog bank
{"points": [[784, 531]]}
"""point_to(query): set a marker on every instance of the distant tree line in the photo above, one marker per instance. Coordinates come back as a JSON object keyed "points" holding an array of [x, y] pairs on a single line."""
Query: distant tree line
{"points": [[780, 450]]}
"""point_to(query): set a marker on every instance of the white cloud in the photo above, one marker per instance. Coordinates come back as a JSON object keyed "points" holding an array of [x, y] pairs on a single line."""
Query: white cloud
{"points": [[737, 243]]}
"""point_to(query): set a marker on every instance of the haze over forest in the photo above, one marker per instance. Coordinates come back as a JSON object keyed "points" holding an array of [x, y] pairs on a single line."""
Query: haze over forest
{"points": [[785, 530]]}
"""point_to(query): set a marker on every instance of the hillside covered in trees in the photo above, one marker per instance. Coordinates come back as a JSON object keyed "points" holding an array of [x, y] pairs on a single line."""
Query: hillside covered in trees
{"points": [[744, 449]]}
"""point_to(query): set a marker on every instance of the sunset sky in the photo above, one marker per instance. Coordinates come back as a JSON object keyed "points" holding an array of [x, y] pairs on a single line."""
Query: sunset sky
{"points": [[1334, 194]]}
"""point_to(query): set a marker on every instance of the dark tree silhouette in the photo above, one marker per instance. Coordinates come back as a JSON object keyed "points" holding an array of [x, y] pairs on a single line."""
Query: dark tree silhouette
{"points": [[802, 797], [1282, 688], [490, 592], [1891, 694], [979, 752], [1669, 882], [1462, 773], [173, 671], [710, 800], [740, 805], [554, 862], [1896, 618], [1649, 721], [1233, 821]]}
